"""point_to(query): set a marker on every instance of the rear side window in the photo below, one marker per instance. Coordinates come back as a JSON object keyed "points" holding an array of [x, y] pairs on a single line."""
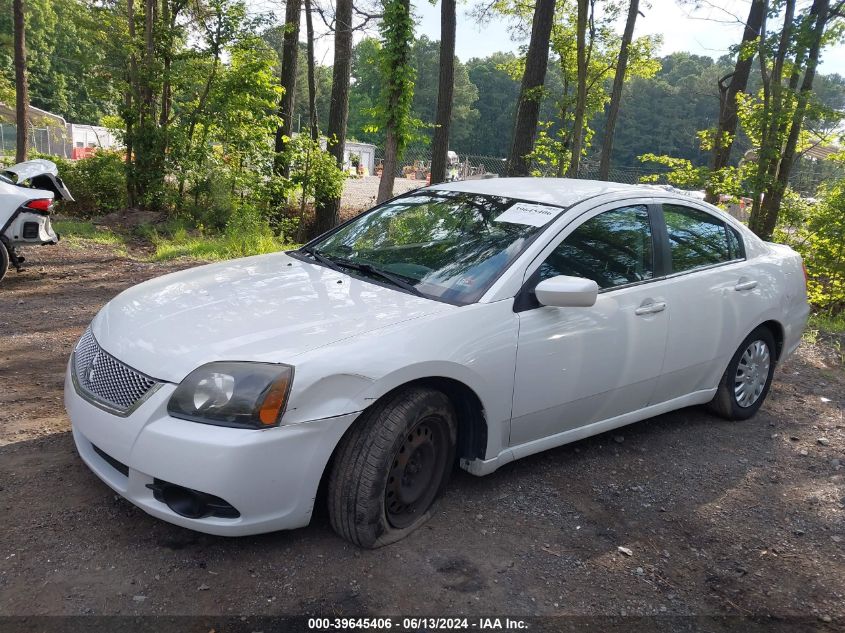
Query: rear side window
{"points": [[613, 248], [698, 239]]}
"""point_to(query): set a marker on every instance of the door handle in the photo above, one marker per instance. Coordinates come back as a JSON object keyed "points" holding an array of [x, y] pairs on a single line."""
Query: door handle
{"points": [[745, 284], [650, 308]]}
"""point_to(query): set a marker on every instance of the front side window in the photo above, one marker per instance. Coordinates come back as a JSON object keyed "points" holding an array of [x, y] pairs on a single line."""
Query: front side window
{"points": [[698, 239], [448, 245], [613, 249]]}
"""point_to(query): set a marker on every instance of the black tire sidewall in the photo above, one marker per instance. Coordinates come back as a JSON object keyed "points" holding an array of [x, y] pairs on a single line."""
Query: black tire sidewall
{"points": [[371, 524], [743, 413], [5, 260]]}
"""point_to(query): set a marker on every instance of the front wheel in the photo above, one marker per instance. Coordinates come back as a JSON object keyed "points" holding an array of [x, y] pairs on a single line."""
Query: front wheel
{"points": [[4, 260], [391, 466], [747, 379]]}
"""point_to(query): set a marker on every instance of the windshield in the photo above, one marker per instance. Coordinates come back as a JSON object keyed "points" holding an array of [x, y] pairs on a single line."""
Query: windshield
{"points": [[448, 245]]}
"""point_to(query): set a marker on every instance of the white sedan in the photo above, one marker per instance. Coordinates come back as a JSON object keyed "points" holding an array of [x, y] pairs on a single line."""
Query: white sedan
{"points": [[474, 323]]}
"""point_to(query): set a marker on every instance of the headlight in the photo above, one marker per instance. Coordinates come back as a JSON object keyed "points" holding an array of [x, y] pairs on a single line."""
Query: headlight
{"points": [[241, 394]]}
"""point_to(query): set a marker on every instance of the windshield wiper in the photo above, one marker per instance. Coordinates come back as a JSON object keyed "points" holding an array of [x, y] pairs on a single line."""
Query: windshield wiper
{"points": [[372, 270], [321, 258], [338, 264]]}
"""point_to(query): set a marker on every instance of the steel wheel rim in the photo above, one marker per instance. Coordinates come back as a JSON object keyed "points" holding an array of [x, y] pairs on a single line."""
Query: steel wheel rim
{"points": [[416, 472], [752, 373]]}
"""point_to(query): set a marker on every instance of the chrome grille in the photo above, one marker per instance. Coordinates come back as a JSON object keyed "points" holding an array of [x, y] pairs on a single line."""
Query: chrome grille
{"points": [[105, 379]]}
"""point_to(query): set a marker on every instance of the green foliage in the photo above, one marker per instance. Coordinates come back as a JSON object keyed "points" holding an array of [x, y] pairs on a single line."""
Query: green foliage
{"points": [[397, 72], [247, 233], [817, 231], [97, 184], [314, 172], [680, 173]]}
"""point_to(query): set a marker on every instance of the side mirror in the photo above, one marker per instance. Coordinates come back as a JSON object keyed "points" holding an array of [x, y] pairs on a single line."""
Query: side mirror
{"points": [[567, 292]]}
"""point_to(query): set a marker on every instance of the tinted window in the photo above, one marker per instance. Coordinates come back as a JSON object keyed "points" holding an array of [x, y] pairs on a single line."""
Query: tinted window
{"points": [[735, 243], [696, 238], [613, 248]]}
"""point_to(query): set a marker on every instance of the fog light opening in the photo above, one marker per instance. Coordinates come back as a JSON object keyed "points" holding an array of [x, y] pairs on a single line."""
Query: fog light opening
{"points": [[192, 504]]}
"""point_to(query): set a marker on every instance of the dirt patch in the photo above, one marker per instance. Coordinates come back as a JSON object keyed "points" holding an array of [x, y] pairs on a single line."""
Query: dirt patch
{"points": [[720, 518]]}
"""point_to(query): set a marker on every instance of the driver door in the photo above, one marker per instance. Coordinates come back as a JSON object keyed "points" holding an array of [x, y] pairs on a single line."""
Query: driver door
{"points": [[576, 366]]}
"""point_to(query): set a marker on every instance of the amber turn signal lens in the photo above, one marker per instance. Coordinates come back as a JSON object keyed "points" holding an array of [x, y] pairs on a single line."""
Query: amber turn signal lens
{"points": [[274, 401]]}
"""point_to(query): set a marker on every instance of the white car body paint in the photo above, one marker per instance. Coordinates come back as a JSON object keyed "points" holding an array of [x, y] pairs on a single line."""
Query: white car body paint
{"points": [[544, 377], [20, 226]]}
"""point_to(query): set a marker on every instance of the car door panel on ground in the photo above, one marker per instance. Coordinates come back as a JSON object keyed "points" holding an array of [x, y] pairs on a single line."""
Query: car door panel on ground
{"points": [[581, 365], [711, 287]]}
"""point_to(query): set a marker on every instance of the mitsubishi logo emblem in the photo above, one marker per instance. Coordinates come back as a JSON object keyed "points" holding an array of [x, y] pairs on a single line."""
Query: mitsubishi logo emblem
{"points": [[92, 369]]}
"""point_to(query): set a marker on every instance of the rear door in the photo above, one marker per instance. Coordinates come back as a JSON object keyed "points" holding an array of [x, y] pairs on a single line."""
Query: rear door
{"points": [[709, 286], [580, 365]]}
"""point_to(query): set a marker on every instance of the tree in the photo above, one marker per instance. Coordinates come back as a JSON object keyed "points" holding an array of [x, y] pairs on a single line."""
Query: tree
{"points": [[785, 105], [446, 85], [731, 85], [328, 208], [398, 95], [21, 98], [497, 93], [616, 92], [585, 10], [290, 56], [313, 118], [533, 78]]}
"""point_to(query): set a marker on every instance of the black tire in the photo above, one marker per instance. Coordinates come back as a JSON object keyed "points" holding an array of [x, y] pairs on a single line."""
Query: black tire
{"points": [[726, 403], [391, 466], [4, 260]]}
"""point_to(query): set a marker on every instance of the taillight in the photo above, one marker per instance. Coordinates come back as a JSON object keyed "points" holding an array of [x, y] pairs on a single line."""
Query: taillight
{"points": [[40, 204]]}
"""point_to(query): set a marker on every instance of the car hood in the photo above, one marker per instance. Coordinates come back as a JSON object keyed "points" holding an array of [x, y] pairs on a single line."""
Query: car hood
{"points": [[267, 308]]}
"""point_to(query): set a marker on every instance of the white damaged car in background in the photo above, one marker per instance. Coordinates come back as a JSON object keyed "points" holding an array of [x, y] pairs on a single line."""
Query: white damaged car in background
{"points": [[27, 193]]}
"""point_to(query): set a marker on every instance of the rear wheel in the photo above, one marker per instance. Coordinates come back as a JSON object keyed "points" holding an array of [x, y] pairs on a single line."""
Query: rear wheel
{"points": [[747, 379], [391, 467]]}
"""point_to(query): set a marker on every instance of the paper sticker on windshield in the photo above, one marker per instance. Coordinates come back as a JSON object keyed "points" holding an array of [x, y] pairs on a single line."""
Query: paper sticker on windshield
{"points": [[414, 200], [530, 214]]}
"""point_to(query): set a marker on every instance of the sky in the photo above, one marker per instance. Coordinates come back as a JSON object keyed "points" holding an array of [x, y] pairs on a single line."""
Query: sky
{"points": [[710, 30]]}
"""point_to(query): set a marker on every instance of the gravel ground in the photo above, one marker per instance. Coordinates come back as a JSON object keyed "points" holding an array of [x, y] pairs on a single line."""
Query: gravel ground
{"points": [[716, 517], [360, 193]]}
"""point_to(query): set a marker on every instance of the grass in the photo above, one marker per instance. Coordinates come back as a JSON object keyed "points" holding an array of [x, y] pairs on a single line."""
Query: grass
{"points": [[827, 323], [178, 243], [76, 230], [173, 241]]}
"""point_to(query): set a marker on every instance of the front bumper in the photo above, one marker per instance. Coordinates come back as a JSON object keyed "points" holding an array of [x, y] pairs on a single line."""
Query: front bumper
{"points": [[270, 476]]}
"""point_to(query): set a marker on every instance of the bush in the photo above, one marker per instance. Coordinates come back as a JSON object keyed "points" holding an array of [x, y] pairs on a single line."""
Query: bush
{"points": [[817, 231], [97, 184]]}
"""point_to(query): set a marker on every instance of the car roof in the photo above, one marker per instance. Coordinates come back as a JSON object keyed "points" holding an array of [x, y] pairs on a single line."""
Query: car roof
{"points": [[559, 191]]}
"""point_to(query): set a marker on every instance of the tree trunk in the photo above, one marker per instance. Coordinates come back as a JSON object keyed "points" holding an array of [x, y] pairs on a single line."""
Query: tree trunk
{"points": [[313, 123], [770, 209], [290, 56], [131, 105], [21, 88], [328, 211], [445, 90], [397, 38], [581, 89], [528, 106], [726, 128], [769, 153], [616, 92], [389, 167]]}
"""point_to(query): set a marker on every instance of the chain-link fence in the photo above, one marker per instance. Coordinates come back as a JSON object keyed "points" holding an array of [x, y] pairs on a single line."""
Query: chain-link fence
{"points": [[43, 140], [416, 165]]}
